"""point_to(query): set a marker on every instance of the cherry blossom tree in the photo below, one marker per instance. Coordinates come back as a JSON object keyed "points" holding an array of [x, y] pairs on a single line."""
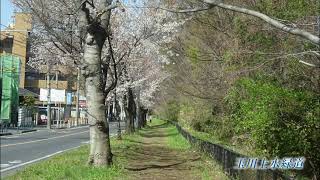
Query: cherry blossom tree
{"points": [[91, 19]]}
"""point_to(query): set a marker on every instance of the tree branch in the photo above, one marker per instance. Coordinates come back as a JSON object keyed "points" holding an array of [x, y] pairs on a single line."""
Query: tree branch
{"points": [[275, 23], [114, 65], [174, 10], [113, 6], [272, 21]]}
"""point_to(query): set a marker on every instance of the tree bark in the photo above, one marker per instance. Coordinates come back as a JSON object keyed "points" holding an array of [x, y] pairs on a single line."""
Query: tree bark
{"points": [[130, 111], [139, 111], [100, 152], [144, 116], [116, 114]]}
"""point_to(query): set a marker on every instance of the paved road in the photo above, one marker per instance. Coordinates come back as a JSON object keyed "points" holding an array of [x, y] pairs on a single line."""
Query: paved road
{"points": [[20, 150]]}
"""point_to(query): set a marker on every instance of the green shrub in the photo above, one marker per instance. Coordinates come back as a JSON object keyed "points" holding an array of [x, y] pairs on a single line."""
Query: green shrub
{"points": [[281, 122], [171, 110]]}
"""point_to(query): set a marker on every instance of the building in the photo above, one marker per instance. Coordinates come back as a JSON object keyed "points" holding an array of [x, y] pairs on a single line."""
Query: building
{"points": [[14, 40], [9, 88]]}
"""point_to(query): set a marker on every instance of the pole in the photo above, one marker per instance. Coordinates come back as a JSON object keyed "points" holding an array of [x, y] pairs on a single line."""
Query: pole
{"points": [[57, 104], [58, 116], [48, 97], [78, 95]]}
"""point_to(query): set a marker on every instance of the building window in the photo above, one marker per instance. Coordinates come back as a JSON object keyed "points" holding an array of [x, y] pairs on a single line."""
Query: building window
{"points": [[6, 45]]}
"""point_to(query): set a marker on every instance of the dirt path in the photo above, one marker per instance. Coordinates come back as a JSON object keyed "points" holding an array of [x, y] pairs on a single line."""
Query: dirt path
{"points": [[153, 159]]}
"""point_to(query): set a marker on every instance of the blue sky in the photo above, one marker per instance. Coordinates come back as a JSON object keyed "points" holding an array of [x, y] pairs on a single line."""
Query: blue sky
{"points": [[6, 12]]}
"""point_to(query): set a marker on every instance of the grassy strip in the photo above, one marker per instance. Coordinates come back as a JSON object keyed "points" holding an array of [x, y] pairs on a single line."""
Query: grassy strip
{"points": [[156, 122], [72, 165], [175, 140], [207, 168]]}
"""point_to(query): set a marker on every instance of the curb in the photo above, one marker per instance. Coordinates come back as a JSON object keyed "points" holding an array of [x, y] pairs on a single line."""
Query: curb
{"points": [[5, 134], [23, 131], [26, 131]]}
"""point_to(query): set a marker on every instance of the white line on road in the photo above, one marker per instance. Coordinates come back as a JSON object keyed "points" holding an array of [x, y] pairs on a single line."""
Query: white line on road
{"points": [[43, 139], [4, 165], [15, 162]]}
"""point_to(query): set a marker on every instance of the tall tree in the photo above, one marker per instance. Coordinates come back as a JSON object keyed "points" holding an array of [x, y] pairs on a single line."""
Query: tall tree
{"points": [[91, 30], [95, 31]]}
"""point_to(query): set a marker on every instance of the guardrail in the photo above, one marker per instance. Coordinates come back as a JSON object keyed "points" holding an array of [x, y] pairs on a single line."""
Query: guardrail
{"points": [[72, 122], [227, 159]]}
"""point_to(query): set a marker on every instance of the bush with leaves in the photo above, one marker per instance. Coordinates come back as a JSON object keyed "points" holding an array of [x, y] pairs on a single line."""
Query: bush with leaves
{"points": [[280, 122]]}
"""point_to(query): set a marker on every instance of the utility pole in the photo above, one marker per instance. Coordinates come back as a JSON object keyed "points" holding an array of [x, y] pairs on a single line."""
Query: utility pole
{"points": [[48, 97], [57, 105], [78, 95]]}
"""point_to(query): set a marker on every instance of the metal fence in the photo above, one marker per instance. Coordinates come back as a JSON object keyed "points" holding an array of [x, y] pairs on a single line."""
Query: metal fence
{"points": [[227, 159]]}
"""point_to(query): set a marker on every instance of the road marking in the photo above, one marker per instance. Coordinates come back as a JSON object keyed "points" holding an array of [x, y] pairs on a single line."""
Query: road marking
{"points": [[4, 165], [28, 142], [15, 162], [86, 142], [9, 137]]}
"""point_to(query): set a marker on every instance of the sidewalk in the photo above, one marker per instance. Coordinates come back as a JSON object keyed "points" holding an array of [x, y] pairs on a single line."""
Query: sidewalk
{"points": [[161, 153]]}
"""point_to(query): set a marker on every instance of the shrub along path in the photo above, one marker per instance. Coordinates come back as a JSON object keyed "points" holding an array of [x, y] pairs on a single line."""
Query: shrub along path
{"points": [[159, 152]]}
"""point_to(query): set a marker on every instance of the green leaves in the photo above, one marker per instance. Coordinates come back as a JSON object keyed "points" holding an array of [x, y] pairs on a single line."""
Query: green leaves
{"points": [[282, 122], [288, 10]]}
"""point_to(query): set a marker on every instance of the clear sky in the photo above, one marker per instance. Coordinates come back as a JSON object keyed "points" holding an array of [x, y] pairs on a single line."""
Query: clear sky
{"points": [[6, 12]]}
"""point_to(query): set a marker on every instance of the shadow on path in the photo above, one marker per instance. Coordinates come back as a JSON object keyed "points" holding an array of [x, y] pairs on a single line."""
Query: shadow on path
{"points": [[151, 158]]}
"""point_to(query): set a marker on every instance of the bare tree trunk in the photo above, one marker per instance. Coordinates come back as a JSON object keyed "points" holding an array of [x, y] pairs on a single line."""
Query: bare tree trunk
{"points": [[130, 111], [100, 152], [143, 117], [122, 111], [116, 114], [139, 111]]}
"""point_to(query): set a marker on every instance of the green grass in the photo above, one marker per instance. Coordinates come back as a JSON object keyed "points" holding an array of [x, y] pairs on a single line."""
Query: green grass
{"points": [[156, 122], [72, 165], [207, 167], [176, 140], [210, 169]]}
